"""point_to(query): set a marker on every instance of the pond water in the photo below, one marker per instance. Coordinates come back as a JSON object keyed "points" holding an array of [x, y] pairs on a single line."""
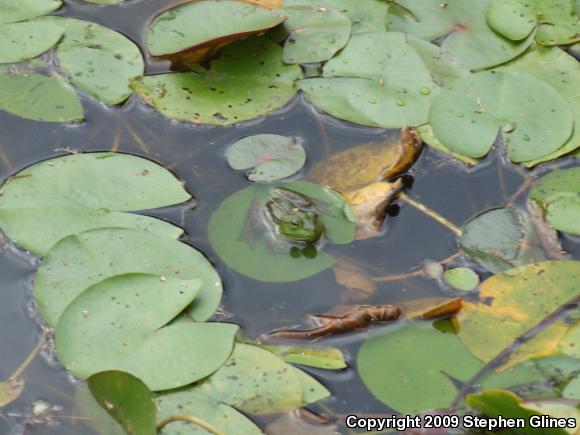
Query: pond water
{"points": [[196, 155]]}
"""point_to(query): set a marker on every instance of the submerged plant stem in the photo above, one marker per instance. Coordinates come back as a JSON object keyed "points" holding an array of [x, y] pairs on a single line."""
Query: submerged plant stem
{"points": [[407, 275], [20, 370], [190, 419], [431, 213], [501, 357]]}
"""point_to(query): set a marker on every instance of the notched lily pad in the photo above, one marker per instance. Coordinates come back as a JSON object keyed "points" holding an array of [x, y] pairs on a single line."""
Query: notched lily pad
{"points": [[135, 333], [534, 118], [461, 278], [12, 11], [379, 79], [516, 19], [67, 195], [248, 80], [80, 261], [558, 195], [28, 39], [32, 91], [206, 23], [268, 157]]}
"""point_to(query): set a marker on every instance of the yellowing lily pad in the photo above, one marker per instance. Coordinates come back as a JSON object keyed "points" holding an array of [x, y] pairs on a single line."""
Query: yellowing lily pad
{"points": [[205, 23], [378, 79], [248, 80], [28, 39], [516, 19], [80, 261], [515, 300], [534, 118], [125, 323], [50, 200], [570, 343], [558, 194]]}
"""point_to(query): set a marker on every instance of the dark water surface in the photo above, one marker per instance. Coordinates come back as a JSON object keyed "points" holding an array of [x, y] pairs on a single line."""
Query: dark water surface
{"points": [[196, 155]]}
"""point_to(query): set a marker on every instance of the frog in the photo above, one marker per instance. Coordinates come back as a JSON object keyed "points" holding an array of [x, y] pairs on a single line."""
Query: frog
{"points": [[293, 216]]}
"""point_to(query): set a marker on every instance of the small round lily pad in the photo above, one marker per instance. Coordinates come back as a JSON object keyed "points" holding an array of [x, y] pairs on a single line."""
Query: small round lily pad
{"points": [[461, 278], [268, 157]]}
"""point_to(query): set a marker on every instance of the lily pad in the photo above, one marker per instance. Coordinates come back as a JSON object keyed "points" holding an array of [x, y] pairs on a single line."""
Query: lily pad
{"points": [[512, 302], [248, 80], [500, 239], [31, 91], [232, 226], [67, 195], [463, 22], [19, 10], [256, 381], [205, 23], [28, 39], [329, 358], [570, 343], [80, 261], [559, 70], [429, 138], [96, 59], [516, 19], [219, 415], [127, 399], [461, 278], [269, 157], [313, 34], [365, 16], [558, 194], [379, 79], [134, 333], [393, 366], [534, 118]]}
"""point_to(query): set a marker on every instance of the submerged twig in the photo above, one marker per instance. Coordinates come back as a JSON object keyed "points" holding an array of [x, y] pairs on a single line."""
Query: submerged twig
{"points": [[431, 213], [361, 317], [418, 272], [189, 419], [502, 357]]}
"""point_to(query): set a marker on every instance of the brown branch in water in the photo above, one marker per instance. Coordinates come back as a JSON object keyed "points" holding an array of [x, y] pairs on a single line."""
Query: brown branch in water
{"points": [[361, 317], [525, 186], [546, 233], [418, 272], [503, 356], [189, 419], [116, 139], [431, 213]]}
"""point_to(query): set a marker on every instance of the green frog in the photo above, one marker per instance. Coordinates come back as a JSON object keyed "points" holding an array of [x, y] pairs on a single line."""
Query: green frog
{"points": [[293, 216]]}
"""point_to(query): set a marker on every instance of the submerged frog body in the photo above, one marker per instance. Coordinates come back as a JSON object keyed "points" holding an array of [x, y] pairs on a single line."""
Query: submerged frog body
{"points": [[293, 216]]}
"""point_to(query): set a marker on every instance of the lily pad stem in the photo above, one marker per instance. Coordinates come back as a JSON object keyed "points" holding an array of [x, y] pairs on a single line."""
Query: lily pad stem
{"points": [[501, 357], [190, 419], [20, 370], [418, 272], [431, 213]]}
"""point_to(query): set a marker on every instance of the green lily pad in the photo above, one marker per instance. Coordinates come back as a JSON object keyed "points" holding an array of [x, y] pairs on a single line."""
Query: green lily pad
{"points": [[269, 157], [134, 334], [429, 138], [515, 300], [48, 201], [516, 19], [219, 415], [500, 239], [31, 91], [313, 34], [232, 226], [558, 194], [559, 70], [248, 80], [569, 344], [96, 59], [28, 39], [365, 16], [94, 416], [572, 389], [535, 119], [80, 261], [19, 10], [379, 79], [469, 37], [329, 358], [127, 399], [406, 368], [205, 23], [461, 278], [495, 403], [256, 381]]}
